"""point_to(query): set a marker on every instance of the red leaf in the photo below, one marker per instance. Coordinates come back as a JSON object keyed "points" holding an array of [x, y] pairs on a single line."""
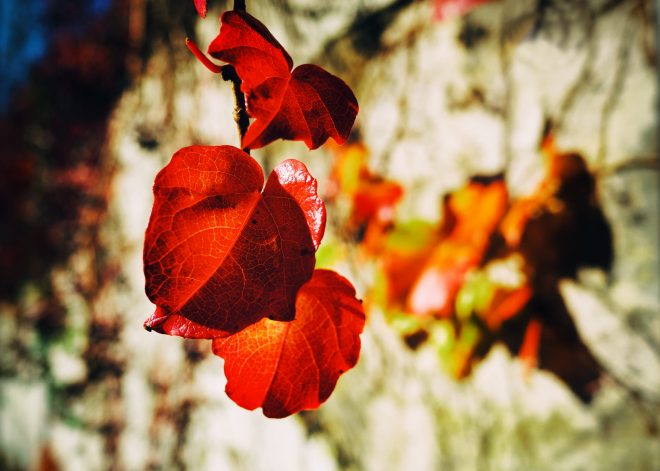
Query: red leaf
{"points": [[308, 105], [375, 199], [285, 367], [445, 9], [219, 253], [201, 7]]}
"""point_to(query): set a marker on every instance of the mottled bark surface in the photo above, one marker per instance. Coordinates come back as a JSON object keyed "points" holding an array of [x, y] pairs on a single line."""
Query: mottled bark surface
{"points": [[84, 387]]}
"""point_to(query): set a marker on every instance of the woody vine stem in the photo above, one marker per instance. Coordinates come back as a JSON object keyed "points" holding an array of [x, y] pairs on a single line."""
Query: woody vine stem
{"points": [[229, 74]]}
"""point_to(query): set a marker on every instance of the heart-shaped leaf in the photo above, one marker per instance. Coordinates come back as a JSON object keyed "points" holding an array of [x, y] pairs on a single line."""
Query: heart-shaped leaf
{"points": [[308, 104], [285, 367], [219, 253]]}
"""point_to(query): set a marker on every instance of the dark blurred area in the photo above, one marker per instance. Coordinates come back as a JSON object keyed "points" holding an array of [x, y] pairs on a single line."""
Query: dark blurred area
{"points": [[52, 184], [66, 63]]}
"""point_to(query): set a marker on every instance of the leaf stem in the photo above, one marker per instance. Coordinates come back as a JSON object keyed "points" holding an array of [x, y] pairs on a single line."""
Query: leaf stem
{"points": [[206, 62]]}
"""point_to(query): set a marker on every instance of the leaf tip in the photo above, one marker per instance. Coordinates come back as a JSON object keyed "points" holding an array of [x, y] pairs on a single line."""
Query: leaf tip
{"points": [[200, 5]]}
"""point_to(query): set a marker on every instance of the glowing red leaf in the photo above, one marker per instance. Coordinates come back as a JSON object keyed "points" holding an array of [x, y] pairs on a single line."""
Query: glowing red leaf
{"points": [[308, 104], [285, 367], [201, 7], [219, 253]]}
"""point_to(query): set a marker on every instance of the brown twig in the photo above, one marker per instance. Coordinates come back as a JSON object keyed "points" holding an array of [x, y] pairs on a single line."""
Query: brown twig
{"points": [[240, 110], [229, 74]]}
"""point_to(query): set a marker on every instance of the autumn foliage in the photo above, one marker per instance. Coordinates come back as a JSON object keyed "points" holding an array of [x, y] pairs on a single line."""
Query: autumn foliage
{"points": [[231, 259], [307, 104], [489, 271]]}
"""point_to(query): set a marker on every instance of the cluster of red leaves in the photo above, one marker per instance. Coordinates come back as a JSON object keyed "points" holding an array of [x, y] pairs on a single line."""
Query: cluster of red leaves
{"points": [[447, 276], [231, 259], [308, 104]]}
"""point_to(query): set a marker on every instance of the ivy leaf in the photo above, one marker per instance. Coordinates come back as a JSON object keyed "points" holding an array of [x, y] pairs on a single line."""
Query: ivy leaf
{"points": [[201, 7], [308, 104], [219, 252], [285, 367]]}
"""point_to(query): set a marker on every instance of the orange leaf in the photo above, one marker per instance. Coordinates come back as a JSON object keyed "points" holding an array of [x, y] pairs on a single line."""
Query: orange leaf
{"points": [[506, 304], [529, 350], [471, 215]]}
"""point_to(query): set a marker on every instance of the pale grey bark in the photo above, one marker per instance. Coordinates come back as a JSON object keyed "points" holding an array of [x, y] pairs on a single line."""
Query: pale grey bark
{"points": [[435, 109]]}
